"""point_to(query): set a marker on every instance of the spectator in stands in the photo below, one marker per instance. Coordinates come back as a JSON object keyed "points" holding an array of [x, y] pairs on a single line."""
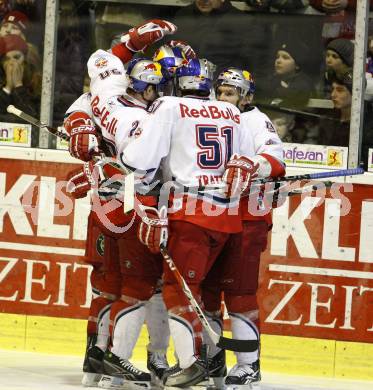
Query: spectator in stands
{"points": [[290, 87], [335, 131], [225, 35], [35, 11], [18, 86], [339, 57], [370, 55], [280, 5], [284, 124], [16, 23], [4, 8], [294, 128], [339, 21], [369, 70]]}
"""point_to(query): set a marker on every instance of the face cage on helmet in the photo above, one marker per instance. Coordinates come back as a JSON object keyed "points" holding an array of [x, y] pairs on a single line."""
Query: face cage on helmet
{"points": [[196, 75], [241, 93], [194, 83], [236, 81]]}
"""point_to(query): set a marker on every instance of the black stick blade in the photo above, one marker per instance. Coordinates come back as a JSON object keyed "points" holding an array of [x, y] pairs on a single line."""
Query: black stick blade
{"points": [[238, 345]]}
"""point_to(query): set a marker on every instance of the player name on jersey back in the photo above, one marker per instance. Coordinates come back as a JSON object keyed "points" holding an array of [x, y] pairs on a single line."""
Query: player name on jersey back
{"points": [[211, 111]]}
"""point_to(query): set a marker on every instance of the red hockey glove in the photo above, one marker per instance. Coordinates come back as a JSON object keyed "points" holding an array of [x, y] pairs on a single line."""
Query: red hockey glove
{"points": [[92, 175], [239, 173], [185, 47], [84, 138], [153, 228], [80, 181], [140, 37], [84, 142]]}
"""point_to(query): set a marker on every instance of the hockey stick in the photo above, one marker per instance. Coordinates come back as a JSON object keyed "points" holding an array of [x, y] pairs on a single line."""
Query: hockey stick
{"points": [[314, 176], [280, 180], [220, 341], [30, 119]]}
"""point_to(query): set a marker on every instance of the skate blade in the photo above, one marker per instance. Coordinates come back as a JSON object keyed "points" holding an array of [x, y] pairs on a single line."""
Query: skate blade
{"points": [[156, 383], [90, 379], [113, 382], [212, 383], [249, 386], [194, 387]]}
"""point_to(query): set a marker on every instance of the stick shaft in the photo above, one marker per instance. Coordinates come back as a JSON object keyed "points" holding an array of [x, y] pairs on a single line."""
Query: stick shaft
{"points": [[308, 176], [314, 176], [223, 342], [30, 119]]}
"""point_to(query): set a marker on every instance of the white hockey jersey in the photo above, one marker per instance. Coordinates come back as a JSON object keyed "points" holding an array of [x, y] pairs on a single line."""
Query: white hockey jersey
{"points": [[83, 103], [108, 76], [193, 138], [259, 135], [116, 114]]}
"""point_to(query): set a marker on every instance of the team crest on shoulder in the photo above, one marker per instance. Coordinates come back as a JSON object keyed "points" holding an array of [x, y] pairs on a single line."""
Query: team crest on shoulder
{"points": [[101, 62], [270, 127], [100, 244], [154, 107]]}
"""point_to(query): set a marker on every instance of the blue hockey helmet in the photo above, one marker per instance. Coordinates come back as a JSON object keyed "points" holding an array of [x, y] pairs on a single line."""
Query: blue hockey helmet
{"points": [[142, 72], [170, 58], [195, 75]]}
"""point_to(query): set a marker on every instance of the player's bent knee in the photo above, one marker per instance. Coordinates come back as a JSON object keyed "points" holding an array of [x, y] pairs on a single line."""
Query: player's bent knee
{"points": [[174, 296], [140, 289], [211, 299], [241, 303]]}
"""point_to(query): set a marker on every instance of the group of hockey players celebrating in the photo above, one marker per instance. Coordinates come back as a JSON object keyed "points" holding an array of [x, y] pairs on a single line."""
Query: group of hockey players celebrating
{"points": [[167, 120]]}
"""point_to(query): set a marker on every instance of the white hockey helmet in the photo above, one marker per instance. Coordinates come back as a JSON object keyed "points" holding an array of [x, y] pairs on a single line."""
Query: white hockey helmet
{"points": [[241, 79]]}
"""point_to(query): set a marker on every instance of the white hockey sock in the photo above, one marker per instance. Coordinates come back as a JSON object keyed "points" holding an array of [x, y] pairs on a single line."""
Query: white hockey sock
{"points": [[103, 321], [127, 327], [216, 324], [182, 336], [245, 329], [157, 322]]}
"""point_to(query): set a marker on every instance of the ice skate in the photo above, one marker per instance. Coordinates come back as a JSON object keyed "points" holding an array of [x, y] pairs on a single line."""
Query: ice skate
{"points": [[243, 377], [217, 371], [92, 366], [157, 364], [121, 374], [177, 377]]}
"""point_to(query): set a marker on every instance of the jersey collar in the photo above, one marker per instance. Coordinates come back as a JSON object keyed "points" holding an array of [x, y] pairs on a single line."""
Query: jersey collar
{"points": [[130, 101]]}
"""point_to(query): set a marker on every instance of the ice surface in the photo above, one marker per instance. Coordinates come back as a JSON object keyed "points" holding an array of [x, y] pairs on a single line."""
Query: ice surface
{"points": [[35, 371]]}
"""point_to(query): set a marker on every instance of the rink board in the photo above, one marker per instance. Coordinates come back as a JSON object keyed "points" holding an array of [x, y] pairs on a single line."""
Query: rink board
{"points": [[316, 279], [280, 354]]}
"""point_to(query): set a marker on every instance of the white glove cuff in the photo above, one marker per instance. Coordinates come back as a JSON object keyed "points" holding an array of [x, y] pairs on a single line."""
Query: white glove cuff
{"points": [[265, 167]]}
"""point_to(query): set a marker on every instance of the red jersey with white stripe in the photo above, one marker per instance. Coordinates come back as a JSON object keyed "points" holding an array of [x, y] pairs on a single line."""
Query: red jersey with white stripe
{"points": [[193, 138]]}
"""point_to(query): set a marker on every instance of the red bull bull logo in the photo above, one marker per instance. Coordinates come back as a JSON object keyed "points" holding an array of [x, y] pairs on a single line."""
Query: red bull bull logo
{"points": [[101, 62], [154, 67], [150, 67]]}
